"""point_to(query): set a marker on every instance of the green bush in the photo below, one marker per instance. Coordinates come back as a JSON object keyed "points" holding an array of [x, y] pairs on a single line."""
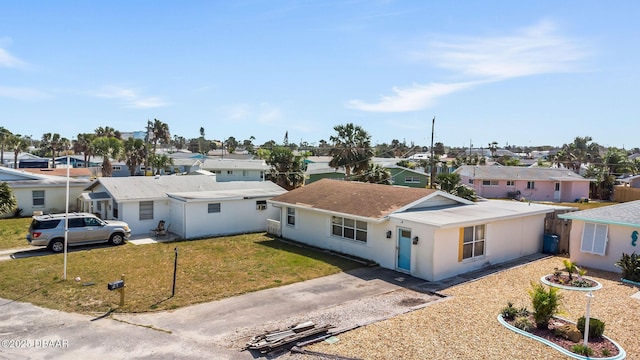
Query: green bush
{"points": [[596, 327], [581, 349], [509, 312], [630, 266], [545, 304], [523, 323]]}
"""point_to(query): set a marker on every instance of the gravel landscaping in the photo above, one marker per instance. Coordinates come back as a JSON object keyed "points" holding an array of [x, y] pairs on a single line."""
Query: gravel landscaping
{"points": [[465, 326]]}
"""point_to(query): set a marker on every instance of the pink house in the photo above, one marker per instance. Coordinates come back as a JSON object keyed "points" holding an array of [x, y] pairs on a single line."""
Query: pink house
{"points": [[530, 183]]}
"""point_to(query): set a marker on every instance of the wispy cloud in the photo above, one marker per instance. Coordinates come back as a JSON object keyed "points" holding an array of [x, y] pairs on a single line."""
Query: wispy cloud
{"points": [[22, 93], [478, 60], [531, 51], [130, 98], [416, 97], [269, 114], [8, 60]]}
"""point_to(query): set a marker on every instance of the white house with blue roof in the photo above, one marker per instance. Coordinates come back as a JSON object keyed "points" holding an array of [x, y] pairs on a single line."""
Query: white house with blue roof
{"points": [[599, 236]]}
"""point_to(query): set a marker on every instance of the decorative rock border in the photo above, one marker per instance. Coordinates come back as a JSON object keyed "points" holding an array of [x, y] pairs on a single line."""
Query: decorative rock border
{"points": [[575, 288], [621, 353]]}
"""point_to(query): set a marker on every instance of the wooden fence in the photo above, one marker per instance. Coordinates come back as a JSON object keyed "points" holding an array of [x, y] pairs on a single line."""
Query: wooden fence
{"points": [[622, 193]]}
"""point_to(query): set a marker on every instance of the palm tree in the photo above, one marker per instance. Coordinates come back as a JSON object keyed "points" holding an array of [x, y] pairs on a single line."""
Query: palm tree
{"points": [[17, 144], [134, 153], [160, 134], [351, 149], [7, 200], [375, 174], [4, 135], [160, 162], [287, 169], [107, 147], [82, 145], [448, 182], [50, 142]]}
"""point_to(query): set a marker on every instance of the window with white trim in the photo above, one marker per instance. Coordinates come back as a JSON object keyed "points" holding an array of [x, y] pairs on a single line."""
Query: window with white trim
{"points": [[411, 180], [473, 241], [145, 211], [489, 182], [261, 205], [37, 197], [531, 185], [511, 183], [594, 238], [291, 216], [349, 228], [213, 208]]}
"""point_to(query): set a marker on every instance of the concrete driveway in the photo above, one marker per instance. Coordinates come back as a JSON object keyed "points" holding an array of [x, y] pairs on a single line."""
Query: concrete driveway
{"points": [[212, 330]]}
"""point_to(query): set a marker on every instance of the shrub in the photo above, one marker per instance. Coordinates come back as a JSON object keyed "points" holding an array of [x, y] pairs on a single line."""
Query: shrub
{"points": [[596, 327], [630, 266], [581, 349], [545, 304], [509, 312], [523, 323]]}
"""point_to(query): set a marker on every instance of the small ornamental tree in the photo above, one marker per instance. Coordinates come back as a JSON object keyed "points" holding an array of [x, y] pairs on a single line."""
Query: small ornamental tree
{"points": [[545, 304]]}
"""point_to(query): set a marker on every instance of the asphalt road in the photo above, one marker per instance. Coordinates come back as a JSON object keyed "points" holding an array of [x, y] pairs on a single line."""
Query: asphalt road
{"points": [[195, 332]]}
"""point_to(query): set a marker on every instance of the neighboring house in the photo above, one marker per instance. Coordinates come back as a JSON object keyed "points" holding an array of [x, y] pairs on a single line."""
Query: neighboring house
{"points": [[407, 177], [317, 171], [75, 173], [236, 170], [530, 183], [42, 193], [599, 236], [194, 205], [427, 233]]}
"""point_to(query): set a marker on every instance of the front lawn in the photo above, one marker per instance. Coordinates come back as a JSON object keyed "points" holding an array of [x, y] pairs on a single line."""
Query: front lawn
{"points": [[208, 269], [13, 233]]}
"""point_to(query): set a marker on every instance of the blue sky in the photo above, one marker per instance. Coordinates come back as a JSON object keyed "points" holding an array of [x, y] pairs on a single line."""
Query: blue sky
{"points": [[515, 72]]}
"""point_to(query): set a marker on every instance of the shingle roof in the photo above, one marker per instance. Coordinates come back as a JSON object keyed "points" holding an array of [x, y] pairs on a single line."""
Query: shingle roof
{"points": [[352, 197], [500, 172], [627, 214]]}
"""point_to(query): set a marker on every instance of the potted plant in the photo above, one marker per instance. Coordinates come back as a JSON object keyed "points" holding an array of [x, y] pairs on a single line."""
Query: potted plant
{"points": [[630, 266]]}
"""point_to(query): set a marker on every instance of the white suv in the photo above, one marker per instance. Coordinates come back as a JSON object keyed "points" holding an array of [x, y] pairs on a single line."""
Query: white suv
{"points": [[84, 228]]}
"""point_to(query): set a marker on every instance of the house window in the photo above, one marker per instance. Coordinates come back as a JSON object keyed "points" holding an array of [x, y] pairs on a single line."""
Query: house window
{"points": [[116, 168], [531, 185], [146, 210], [115, 209], [411, 180], [557, 188], [229, 172], [349, 228], [471, 181], [594, 238], [489, 182], [245, 173], [472, 242], [261, 205], [511, 183], [213, 208], [38, 198], [291, 216]]}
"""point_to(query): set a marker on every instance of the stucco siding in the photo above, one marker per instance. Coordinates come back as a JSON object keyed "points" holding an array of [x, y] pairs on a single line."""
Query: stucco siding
{"points": [[129, 212], [54, 201], [200, 223], [619, 241]]}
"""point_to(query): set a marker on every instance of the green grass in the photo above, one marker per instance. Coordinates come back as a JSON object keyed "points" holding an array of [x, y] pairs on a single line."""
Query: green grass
{"points": [[208, 270], [13, 233]]}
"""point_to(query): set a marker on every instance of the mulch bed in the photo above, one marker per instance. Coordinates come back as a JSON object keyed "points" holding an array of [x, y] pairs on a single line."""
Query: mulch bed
{"points": [[597, 345]]}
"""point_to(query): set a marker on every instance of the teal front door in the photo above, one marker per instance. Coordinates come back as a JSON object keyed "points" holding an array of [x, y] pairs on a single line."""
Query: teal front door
{"points": [[404, 249]]}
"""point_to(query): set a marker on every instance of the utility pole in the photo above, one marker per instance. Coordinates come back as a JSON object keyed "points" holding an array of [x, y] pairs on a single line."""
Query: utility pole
{"points": [[433, 160]]}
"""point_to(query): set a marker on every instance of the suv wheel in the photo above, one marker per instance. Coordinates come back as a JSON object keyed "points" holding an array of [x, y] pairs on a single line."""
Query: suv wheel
{"points": [[56, 245], [116, 239]]}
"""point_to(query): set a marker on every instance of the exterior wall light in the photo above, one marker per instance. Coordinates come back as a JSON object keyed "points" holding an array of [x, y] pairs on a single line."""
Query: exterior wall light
{"points": [[415, 240], [388, 234]]}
